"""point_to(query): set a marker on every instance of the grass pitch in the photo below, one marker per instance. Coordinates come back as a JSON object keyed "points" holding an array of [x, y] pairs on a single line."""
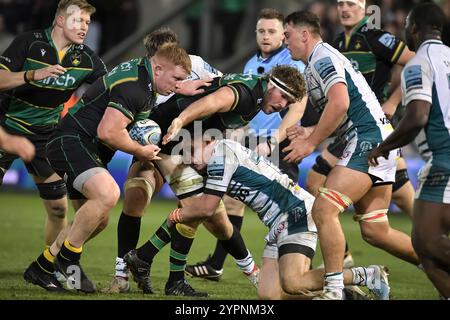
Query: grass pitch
{"points": [[21, 241]]}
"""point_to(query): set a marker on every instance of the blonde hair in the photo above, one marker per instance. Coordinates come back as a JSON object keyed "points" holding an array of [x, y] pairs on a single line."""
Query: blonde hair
{"points": [[289, 80], [64, 5], [175, 54]]}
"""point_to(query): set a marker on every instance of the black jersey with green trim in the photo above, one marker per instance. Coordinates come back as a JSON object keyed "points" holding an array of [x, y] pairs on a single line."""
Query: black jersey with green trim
{"points": [[129, 88], [373, 52], [35, 108], [249, 91]]}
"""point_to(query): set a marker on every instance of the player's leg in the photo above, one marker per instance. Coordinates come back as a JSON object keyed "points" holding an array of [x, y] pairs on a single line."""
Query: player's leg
{"points": [[142, 183], [339, 192], [231, 240], [371, 213], [212, 267], [317, 176], [403, 190], [52, 191], [319, 172], [431, 227]]}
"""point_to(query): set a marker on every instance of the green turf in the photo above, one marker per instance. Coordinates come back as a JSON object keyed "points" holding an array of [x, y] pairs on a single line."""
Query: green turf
{"points": [[21, 241]]}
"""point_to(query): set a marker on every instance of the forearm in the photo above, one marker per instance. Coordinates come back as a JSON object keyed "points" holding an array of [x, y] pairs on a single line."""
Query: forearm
{"points": [[11, 80], [330, 120], [404, 134], [120, 140], [220, 101], [292, 117]]}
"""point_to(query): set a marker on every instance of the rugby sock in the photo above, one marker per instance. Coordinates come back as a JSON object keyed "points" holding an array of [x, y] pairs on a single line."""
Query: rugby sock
{"points": [[362, 275], [217, 259], [334, 282], [235, 245], [158, 241], [69, 252], [45, 261], [127, 234], [182, 238], [247, 265]]}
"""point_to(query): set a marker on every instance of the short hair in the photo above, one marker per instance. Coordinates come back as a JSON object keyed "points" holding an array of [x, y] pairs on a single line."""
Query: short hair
{"points": [[63, 5], [270, 13], [175, 54], [289, 79], [428, 15], [157, 38], [304, 18]]}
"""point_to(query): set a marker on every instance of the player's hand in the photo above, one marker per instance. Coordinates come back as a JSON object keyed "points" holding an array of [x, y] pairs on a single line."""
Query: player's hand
{"points": [[298, 149], [192, 87], [173, 130], [148, 152], [51, 71], [19, 146], [389, 109], [375, 154], [298, 132], [264, 149]]}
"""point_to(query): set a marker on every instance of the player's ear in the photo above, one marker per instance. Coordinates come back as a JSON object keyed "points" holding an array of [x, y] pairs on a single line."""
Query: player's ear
{"points": [[59, 21], [158, 69]]}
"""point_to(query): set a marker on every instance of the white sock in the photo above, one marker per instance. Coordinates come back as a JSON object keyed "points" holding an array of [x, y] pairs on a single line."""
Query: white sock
{"points": [[334, 282], [247, 265], [121, 268], [361, 275]]}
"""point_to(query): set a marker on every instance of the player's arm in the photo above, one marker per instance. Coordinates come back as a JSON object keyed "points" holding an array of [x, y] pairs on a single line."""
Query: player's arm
{"points": [[204, 207], [292, 117], [222, 100], [332, 116], [17, 145], [112, 130], [416, 117], [10, 80]]}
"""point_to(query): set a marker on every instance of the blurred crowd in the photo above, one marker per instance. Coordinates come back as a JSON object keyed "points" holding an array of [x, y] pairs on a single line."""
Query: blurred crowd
{"points": [[228, 16]]}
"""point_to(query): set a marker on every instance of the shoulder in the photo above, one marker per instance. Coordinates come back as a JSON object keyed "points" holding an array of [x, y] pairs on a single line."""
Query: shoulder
{"points": [[30, 37]]}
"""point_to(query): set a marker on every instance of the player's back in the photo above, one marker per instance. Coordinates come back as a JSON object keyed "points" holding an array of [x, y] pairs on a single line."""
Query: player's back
{"points": [[427, 77], [260, 184]]}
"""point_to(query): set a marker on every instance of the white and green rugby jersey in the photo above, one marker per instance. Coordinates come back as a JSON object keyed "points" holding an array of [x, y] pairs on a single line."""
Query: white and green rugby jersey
{"points": [[426, 77], [326, 67], [252, 179]]}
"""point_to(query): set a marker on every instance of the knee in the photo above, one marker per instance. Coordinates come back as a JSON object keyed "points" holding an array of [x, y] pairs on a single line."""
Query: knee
{"points": [[109, 198], [292, 286], [265, 293], [57, 209], [373, 235]]}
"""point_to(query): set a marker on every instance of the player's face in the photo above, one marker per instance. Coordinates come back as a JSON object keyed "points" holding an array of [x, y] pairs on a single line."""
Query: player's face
{"points": [[274, 101], [349, 13], [76, 26], [269, 35], [295, 40], [167, 77]]}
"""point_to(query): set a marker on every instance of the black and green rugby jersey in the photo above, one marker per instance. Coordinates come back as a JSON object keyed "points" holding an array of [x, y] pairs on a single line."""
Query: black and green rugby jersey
{"points": [[128, 88], [249, 91], [35, 108], [373, 52]]}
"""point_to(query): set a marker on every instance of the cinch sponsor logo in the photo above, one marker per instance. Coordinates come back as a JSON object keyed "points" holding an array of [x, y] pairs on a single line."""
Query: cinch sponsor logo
{"points": [[65, 80]]}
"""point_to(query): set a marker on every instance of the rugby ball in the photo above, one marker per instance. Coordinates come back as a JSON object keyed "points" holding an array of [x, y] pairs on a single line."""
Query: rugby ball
{"points": [[145, 132]]}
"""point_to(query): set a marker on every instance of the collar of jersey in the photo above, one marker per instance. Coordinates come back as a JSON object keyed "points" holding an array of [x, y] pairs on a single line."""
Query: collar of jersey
{"points": [[430, 41], [360, 24], [48, 34], [148, 67], [261, 59], [314, 50]]}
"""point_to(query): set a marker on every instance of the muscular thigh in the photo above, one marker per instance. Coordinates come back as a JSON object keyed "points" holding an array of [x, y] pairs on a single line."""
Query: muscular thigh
{"points": [[342, 179]]}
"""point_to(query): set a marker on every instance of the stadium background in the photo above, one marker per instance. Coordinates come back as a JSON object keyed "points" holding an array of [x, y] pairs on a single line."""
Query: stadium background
{"points": [[118, 27], [227, 42]]}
